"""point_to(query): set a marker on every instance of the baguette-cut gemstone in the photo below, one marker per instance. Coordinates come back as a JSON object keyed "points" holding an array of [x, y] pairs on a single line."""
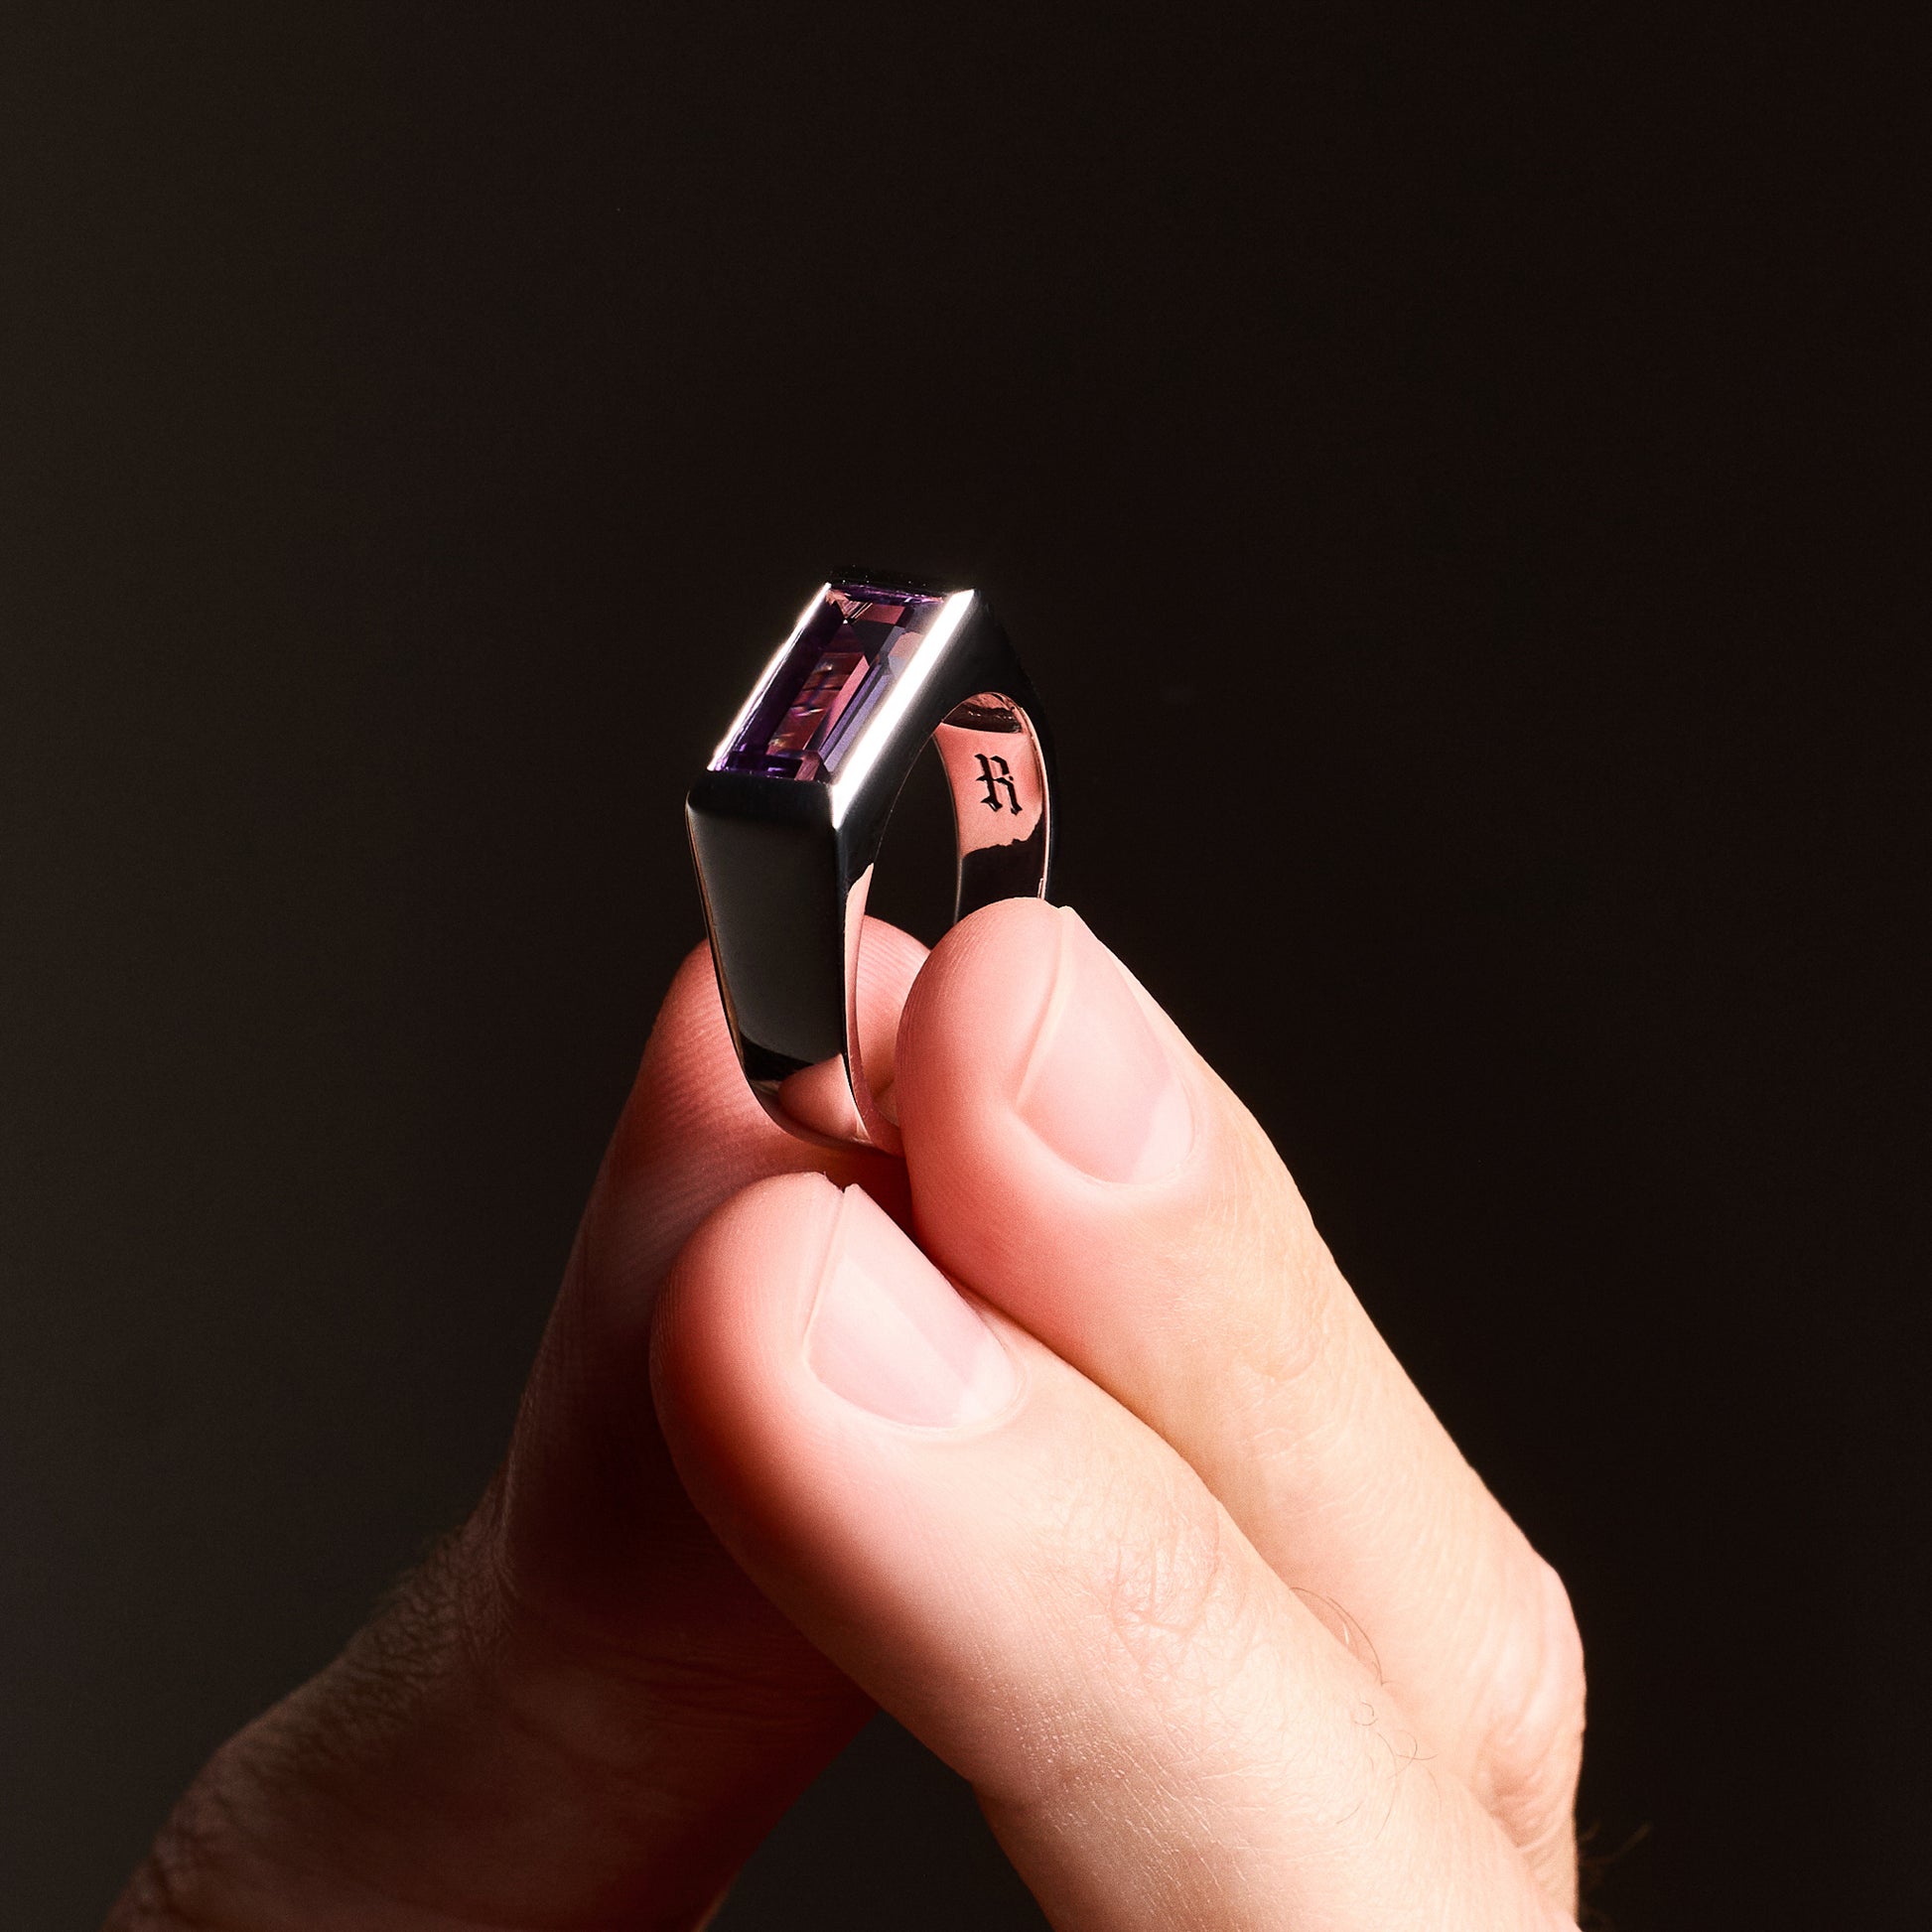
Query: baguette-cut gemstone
{"points": [[848, 654]]}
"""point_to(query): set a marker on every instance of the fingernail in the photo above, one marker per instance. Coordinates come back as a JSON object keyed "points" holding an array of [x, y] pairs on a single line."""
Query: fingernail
{"points": [[890, 1333], [1100, 1086]]}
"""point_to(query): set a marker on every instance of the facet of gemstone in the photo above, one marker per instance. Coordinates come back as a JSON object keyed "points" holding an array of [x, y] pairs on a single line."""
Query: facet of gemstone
{"points": [[849, 652]]}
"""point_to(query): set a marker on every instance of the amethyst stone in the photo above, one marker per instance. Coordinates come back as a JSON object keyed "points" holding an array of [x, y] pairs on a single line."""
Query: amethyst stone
{"points": [[851, 650]]}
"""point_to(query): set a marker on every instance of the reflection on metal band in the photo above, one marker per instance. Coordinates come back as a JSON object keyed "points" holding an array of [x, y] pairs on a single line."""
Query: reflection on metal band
{"points": [[998, 777]]}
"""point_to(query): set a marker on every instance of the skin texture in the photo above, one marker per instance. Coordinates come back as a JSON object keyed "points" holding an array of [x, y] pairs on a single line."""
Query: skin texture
{"points": [[1064, 1440]]}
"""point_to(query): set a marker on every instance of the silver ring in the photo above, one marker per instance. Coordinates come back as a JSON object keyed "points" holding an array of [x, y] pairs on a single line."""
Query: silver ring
{"points": [[786, 821]]}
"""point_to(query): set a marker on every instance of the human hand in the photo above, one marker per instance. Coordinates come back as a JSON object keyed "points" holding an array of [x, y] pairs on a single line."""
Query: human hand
{"points": [[1107, 1532]]}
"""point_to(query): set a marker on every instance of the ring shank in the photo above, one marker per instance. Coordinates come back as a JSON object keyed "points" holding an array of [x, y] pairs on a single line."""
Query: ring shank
{"points": [[996, 777], [997, 774]]}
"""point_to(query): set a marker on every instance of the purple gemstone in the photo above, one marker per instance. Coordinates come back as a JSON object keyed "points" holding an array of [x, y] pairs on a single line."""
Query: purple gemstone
{"points": [[851, 650]]}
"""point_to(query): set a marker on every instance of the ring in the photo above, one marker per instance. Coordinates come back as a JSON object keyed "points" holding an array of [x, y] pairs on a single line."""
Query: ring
{"points": [[786, 821]]}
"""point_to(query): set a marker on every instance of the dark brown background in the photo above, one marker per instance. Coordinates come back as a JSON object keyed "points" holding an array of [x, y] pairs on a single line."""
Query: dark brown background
{"points": [[1444, 479]]}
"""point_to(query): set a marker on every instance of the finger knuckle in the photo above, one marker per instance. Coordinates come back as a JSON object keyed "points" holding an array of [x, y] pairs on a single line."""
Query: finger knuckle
{"points": [[1170, 1595], [1532, 1749], [162, 1895], [183, 1883]]}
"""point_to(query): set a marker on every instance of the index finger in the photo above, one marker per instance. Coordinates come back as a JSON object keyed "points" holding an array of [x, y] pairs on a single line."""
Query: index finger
{"points": [[579, 1712]]}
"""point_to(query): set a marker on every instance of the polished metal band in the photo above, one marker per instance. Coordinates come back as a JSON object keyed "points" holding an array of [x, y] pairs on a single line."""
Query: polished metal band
{"points": [[786, 862]]}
